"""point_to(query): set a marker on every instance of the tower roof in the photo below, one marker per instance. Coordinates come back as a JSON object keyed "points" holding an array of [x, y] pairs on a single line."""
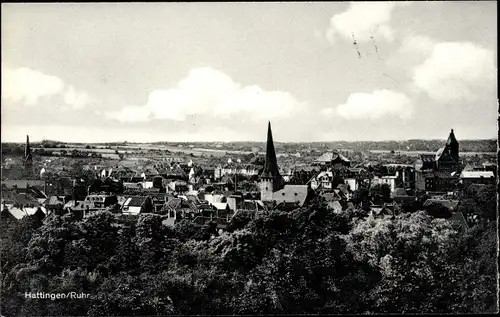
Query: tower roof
{"points": [[271, 166], [27, 149], [451, 139]]}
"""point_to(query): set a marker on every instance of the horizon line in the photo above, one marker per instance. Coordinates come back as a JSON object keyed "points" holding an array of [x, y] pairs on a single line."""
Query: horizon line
{"points": [[242, 141]]}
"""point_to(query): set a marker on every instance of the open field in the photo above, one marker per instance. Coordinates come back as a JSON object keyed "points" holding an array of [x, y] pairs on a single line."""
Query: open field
{"points": [[219, 152]]}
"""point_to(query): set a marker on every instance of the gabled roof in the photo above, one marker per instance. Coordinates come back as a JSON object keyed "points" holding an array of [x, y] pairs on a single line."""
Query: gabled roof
{"points": [[404, 199], [292, 194], [174, 203], [132, 185], [22, 183], [450, 204], [55, 200], [439, 153], [221, 206], [331, 156], [72, 204], [18, 213], [248, 205], [477, 174], [135, 201], [331, 196], [26, 200]]}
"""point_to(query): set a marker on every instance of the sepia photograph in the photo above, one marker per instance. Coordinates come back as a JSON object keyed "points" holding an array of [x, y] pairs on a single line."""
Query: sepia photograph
{"points": [[249, 158]]}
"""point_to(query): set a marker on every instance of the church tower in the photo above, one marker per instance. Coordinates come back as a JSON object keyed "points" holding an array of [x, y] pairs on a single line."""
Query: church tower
{"points": [[28, 158], [270, 179], [452, 146]]}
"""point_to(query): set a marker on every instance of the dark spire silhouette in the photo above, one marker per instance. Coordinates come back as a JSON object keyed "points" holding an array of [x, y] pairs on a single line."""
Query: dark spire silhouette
{"points": [[28, 159], [27, 149], [271, 170], [452, 146], [451, 138]]}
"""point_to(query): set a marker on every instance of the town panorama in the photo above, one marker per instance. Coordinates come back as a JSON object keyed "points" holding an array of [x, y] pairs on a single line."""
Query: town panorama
{"points": [[329, 189]]}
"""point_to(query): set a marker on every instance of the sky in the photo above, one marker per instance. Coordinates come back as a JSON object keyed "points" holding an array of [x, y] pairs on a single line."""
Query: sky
{"points": [[319, 71]]}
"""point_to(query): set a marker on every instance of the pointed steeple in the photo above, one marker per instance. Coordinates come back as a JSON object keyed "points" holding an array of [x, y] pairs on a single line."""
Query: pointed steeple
{"points": [[28, 159], [452, 146], [451, 138], [271, 170], [27, 149], [271, 166]]}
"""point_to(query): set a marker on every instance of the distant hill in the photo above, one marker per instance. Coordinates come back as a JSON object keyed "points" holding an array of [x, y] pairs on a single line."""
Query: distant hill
{"points": [[489, 145]]}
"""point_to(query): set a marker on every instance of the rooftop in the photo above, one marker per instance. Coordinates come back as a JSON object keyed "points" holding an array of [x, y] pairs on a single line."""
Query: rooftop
{"points": [[477, 174]]}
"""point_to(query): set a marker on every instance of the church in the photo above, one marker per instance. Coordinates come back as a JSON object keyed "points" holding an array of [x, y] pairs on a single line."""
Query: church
{"points": [[272, 185], [439, 172]]}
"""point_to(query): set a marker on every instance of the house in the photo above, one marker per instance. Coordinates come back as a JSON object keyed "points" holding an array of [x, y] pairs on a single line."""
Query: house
{"points": [[100, 201], [381, 210], [214, 197], [331, 178], [389, 180], [295, 194], [178, 186], [450, 204], [222, 206], [352, 183], [133, 205], [331, 196], [251, 205], [25, 183], [55, 202], [324, 180], [177, 209], [334, 159], [468, 178], [20, 205]]}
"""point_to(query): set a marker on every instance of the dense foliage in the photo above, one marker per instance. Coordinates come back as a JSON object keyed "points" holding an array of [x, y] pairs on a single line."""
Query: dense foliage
{"points": [[310, 260]]}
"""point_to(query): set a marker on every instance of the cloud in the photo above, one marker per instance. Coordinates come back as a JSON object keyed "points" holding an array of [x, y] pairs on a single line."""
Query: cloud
{"points": [[76, 99], [373, 106], [327, 112], [27, 87], [364, 19], [456, 71], [417, 45], [131, 114], [206, 91]]}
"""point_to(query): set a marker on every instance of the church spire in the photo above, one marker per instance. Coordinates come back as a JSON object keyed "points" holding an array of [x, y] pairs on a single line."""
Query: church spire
{"points": [[27, 149], [451, 139], [452, 146], [271, 166], [28, 159]]}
